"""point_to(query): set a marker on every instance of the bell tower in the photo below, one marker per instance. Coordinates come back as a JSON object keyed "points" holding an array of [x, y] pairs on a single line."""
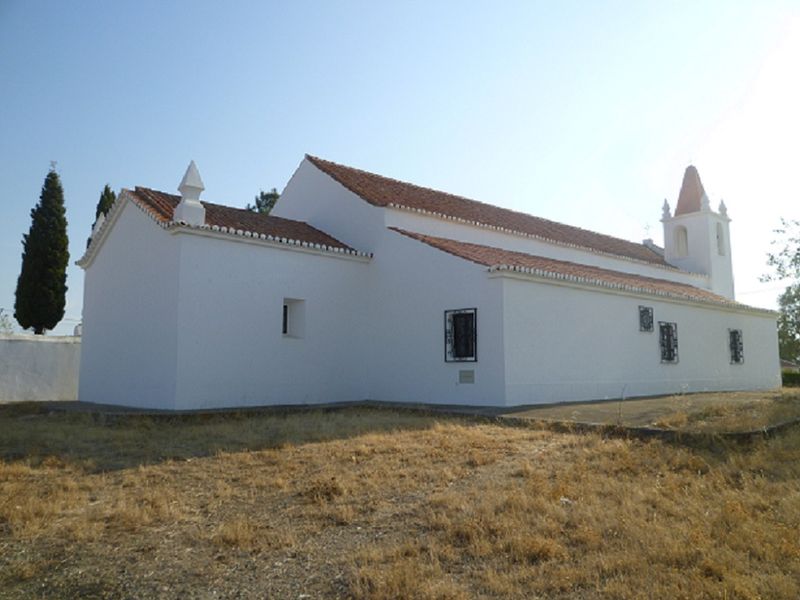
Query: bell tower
{"points": [[696, 238]]}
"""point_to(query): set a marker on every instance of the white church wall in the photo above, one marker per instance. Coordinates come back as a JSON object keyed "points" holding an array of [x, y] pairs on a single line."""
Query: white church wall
{"points": [[568, 344], [316, 198], [231, 349], [128, 354], [411, 285], [435, 226]]}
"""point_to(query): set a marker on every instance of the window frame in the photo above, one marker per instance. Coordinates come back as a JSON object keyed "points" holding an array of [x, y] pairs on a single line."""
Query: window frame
{"points": [[673, 347], [293, 318], [737, 355], [449, 335], [648, 311]]}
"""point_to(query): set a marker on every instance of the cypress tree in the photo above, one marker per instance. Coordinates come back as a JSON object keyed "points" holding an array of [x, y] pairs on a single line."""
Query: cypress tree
{"points": [[42, 283], [107, 198], [106, 201]]}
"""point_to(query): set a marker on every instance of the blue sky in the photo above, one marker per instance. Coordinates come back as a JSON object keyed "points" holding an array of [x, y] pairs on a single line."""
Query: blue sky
{"points": [[582, 112]]}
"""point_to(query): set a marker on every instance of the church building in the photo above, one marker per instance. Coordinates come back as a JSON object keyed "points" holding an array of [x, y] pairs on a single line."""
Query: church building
{"points": [[362, 287]]}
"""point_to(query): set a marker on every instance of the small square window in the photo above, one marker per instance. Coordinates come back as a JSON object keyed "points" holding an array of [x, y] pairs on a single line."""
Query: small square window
{"points": [[646, 319], [460, 335], [293, 321], [668, 341], [736, 345]]}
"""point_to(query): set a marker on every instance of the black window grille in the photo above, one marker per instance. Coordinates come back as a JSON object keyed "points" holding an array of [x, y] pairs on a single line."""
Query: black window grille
{"points": [[668, 340], [736, 345], [461, 335], [646, 318]]}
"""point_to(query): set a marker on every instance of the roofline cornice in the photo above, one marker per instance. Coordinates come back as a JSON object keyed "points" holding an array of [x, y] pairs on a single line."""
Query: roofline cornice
{"points": [[261, 239], [685, 216], [216, 231], [551, 277], [445, 217]]}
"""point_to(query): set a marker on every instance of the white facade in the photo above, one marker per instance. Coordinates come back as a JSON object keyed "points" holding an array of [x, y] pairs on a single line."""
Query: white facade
{"points": [[185, 316], [601, 353], [130, 300], [231, 350]]}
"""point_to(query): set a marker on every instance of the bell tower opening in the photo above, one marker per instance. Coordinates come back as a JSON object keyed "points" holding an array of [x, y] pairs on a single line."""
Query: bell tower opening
{"points": [[681, 242]]}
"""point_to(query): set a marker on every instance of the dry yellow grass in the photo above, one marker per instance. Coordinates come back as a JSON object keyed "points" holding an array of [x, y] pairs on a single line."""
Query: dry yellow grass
{"points": [[759, 412], [706, 412], [380, 504]]}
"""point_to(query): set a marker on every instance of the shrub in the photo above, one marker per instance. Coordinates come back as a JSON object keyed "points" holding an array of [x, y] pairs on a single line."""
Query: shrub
{"points": [[791, 379]]}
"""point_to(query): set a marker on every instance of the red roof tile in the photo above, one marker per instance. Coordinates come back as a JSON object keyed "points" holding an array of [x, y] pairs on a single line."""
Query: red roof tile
{"points": [[162, 205], [497, 257], [691, 195], [382, 191]]}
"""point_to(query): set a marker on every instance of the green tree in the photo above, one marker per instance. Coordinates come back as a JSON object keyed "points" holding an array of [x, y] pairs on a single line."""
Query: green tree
{"points": [[107, 198], [6, 327], [789, 323], [42, 283], [264, 201], [785, 265]]}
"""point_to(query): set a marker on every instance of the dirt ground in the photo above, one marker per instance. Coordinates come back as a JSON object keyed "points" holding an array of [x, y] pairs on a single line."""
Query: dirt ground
{"points": [[746, 410], [375, 503]]}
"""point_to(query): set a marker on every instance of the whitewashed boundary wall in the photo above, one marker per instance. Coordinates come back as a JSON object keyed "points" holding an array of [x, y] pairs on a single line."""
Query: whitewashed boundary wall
{"points": [[39, 368]]}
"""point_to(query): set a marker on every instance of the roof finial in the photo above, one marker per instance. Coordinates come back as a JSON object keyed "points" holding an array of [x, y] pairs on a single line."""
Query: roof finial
{"points": [[665, 211], [191, 185], [189, 209], [723, 210]]}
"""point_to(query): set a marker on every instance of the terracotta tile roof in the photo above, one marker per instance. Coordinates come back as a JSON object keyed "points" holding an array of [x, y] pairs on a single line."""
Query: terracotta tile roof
{"points": [[498, 259], [691, 195], [161, 207], [383, 191]]}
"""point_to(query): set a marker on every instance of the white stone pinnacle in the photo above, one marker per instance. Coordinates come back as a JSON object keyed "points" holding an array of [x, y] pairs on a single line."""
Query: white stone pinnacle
{"points": [[189, 209], [191, 185]]}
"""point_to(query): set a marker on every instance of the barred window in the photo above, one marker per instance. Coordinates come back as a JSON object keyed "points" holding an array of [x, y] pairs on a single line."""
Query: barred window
{"points": [[668, 340], [460, 335], [646, 318], [736, 346]]}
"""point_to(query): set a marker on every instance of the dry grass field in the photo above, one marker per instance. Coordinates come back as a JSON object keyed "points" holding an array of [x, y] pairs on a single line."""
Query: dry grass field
{"points": [[369, 503], [706, 412]]}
